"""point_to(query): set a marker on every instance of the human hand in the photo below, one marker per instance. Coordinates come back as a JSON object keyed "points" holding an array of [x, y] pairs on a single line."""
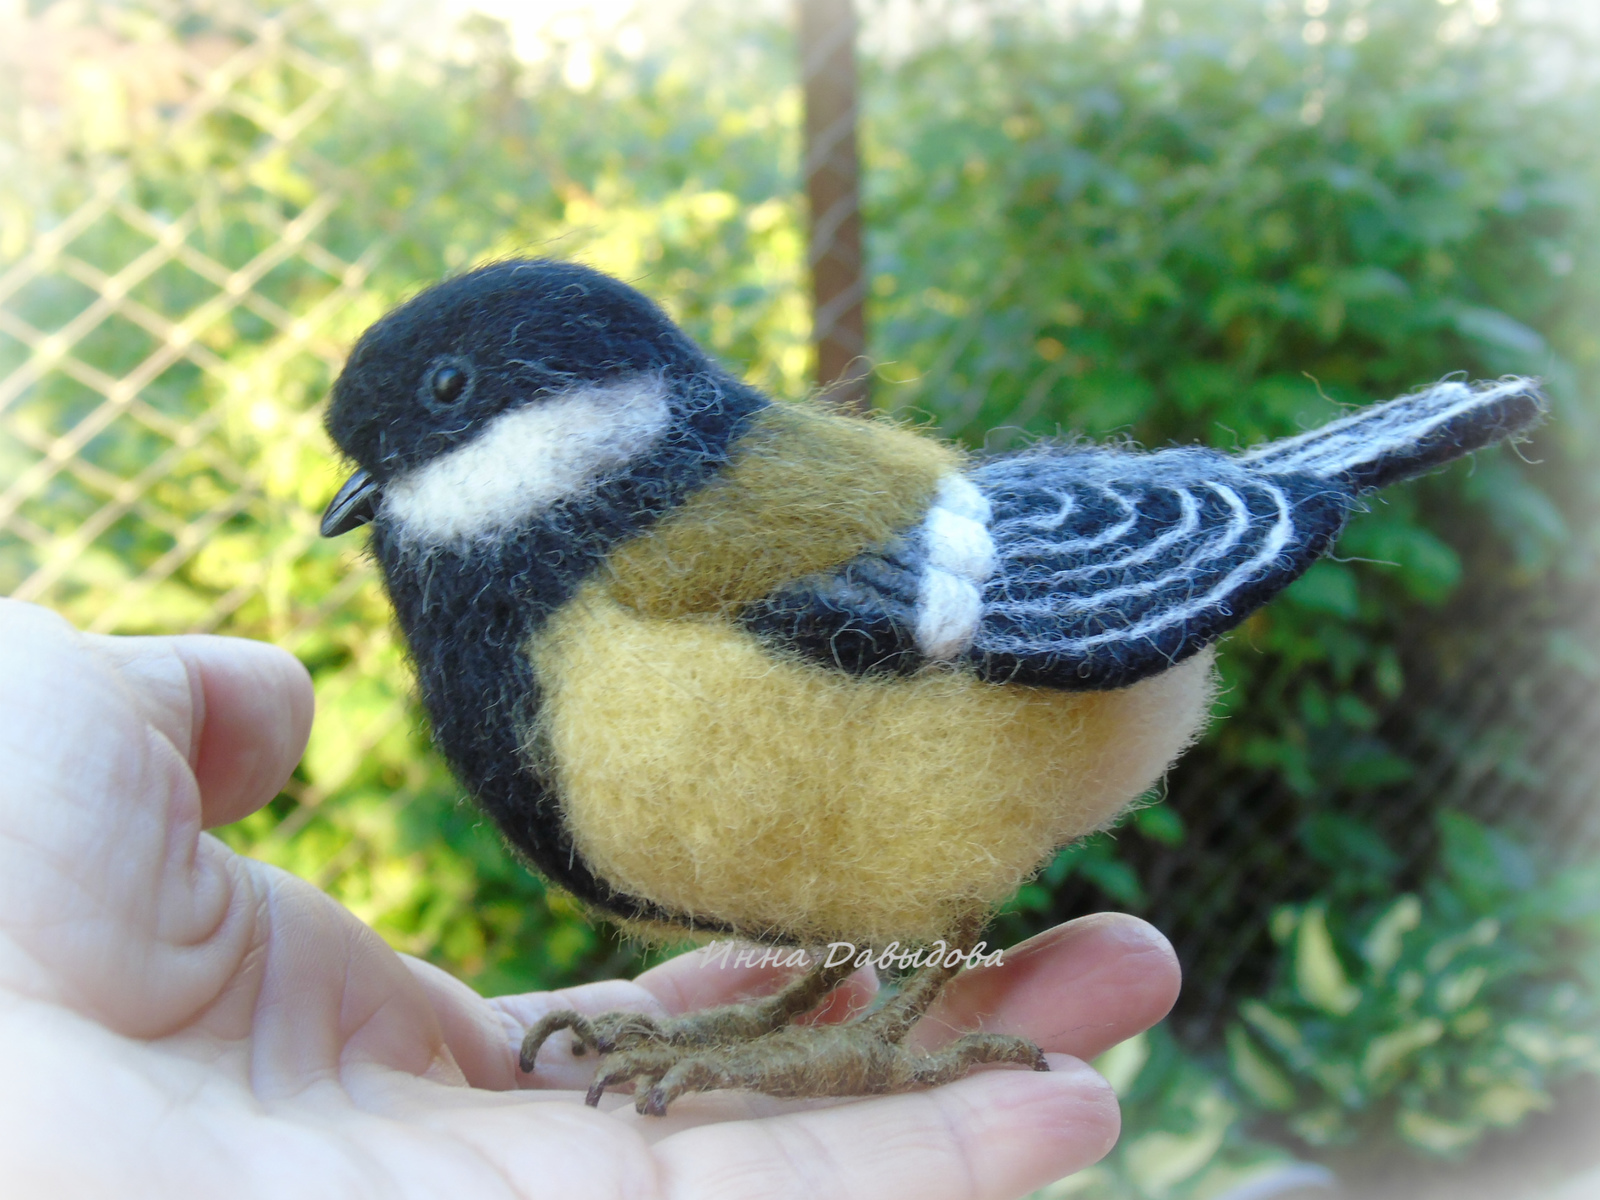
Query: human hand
{"points": [[179, 1020]]}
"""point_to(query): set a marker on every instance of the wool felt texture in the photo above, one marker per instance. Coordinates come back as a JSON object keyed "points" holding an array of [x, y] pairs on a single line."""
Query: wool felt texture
{"points": [[467, 606], [519, 331], [785, 800], [1115, 565], [1104, 567], [708, 659], [526, 459], [467, 610], [961, 559], [805, 491]]}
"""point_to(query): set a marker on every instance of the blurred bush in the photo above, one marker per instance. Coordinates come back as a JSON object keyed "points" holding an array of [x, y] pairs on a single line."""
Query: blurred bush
{"points": [[1219, 222], [1213, 225], [1430, 1019]]}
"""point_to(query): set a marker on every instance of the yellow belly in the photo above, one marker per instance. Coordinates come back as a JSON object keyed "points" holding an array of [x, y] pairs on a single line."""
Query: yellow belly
{"points": [[698, 770]]}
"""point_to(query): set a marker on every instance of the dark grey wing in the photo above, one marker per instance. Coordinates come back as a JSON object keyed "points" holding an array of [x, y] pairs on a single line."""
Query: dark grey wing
{"points": [[1090, 568], [1105, 567], [859, 619], [1385, 443], [1113, 566], [1110, 566]]}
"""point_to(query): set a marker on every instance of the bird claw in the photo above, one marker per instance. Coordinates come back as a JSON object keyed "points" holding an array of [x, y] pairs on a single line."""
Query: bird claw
{"points": [[804, 1061], [606, 1033], [752, 1046], [616, 1032]]}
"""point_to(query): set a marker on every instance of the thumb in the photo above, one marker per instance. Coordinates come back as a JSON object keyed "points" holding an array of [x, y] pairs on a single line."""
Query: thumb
{"points": [[114, 904], [239, 712]]}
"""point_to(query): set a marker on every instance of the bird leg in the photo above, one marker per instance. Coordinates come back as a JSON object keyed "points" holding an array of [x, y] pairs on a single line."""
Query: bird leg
{"points": [[862, 1058], [612, 1032]]}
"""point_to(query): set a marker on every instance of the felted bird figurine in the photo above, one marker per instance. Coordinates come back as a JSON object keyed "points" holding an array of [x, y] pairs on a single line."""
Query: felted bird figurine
{"points": [[719, 662]]}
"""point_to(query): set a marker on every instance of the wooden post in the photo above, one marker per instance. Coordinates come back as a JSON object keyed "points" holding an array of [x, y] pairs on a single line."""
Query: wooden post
{"points": [[831, 169]]}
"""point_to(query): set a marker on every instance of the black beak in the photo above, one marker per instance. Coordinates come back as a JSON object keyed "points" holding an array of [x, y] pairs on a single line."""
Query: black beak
{"points": [[353, 507]]}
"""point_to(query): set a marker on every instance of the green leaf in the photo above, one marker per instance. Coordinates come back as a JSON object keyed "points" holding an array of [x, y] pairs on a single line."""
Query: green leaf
{"points": [[1369, 765], [1387, 674], [1429, 568], [1505, 1104], [1325, 1125], [1120, 1065], [1158, 1161], [1256, 1074], [1436, 1136], [1318, 974], [1484, 863], [1160, 823], [1116, 879], [1277, 1029], [1343, 842], [1455, 992], [1282, 924], [1383, 943], [1326, 588], [1386, 1052], [1501, 332], [1443, 952]]}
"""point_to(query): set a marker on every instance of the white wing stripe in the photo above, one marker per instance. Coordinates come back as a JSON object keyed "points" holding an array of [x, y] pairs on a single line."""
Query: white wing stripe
{"points": [[961, 558], [1180, 532], [1374, 433], [959, 495], [1276, 538], [958, 545], [1237, 528], [948, 609]]}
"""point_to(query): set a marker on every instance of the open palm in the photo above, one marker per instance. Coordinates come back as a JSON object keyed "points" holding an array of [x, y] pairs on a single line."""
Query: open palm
{"points": [[178, 1020]]}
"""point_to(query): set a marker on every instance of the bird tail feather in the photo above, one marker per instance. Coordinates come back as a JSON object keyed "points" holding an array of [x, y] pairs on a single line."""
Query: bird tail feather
{"points": [[1389, 442]]}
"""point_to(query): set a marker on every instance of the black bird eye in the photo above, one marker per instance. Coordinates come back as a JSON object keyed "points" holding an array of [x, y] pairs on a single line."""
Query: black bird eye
{"points": [[447, 387], [447, 384]]}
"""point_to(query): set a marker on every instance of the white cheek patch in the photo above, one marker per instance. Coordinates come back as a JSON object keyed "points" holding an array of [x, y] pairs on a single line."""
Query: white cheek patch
{"points": [[526, 459], [961, 558]]}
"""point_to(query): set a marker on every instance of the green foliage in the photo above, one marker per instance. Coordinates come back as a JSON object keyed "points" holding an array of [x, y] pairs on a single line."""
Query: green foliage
{"points": [[1185, 1138], [1204, 228], [1429, 1019], [1199, 225]]}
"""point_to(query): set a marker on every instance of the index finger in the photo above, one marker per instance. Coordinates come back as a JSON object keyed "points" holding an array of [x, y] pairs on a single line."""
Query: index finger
{"points": [[1077, 989]]}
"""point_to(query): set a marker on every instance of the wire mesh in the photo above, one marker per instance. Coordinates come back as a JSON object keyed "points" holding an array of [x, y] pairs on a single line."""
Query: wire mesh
{"points": [[182, 258], [118, 308]]}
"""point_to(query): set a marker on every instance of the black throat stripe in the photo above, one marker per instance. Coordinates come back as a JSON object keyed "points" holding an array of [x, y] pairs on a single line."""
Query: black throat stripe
{"points": [[468, 612]]}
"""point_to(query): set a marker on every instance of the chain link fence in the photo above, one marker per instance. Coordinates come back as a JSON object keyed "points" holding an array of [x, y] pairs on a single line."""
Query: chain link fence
{"points": [[152, 310], [190, 238]]}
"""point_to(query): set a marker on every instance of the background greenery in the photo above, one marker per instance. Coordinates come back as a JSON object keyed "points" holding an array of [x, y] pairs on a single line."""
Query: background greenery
{"points": [[1214, 221]]}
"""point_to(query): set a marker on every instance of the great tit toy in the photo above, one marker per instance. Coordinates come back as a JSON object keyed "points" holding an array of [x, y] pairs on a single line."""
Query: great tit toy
{"points": [[717, 662]]}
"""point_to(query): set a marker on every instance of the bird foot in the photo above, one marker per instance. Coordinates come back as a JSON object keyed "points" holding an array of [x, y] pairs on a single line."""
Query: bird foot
{"points": [[858, 1059], [754, 1047], [616, 1032]]}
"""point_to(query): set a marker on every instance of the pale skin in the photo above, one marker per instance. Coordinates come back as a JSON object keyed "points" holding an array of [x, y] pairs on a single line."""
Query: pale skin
{"points": [[177, 1020]]}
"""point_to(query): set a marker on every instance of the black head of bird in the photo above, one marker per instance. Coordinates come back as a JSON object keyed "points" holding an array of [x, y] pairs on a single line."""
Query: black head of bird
{"points": [[717, 661]]}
